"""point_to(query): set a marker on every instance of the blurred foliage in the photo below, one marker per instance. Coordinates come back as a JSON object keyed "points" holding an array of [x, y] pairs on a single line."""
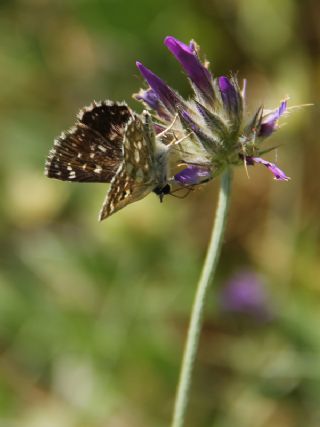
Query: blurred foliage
{"points": [[93, 315]]}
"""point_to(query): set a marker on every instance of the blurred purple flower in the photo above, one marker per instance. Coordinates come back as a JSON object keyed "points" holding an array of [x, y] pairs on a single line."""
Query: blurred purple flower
{"points": [[245, 293]]}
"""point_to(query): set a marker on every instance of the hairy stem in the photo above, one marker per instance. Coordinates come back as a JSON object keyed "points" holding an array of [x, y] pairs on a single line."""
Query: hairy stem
{"points": [[209, 267]]}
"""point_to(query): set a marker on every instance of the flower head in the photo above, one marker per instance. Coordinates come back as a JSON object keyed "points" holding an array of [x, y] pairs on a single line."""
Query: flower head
{"points": [[214, 119]]}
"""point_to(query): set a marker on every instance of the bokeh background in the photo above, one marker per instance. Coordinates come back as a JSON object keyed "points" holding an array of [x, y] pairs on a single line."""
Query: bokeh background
{"points": [[93, 316]]}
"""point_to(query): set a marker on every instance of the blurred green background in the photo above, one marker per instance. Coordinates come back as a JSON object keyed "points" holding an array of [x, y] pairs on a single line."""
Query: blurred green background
{"points": [[93, 316]]}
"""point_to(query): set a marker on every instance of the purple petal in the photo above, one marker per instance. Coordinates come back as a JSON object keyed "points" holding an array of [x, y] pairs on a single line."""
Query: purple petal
{"points": [[270, 121], [188, 58], [283, 108], [150, 98], [230, 96], [279, 175], [193, 175], [167, 96]]}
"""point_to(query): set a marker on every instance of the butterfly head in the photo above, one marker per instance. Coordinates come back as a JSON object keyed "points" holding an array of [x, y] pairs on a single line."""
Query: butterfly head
{"points": [[162, 191]]}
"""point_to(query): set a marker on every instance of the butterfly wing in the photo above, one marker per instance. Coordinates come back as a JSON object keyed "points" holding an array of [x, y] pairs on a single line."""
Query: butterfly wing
{"points": [[91, 151], [123, 191], [135, 177]]}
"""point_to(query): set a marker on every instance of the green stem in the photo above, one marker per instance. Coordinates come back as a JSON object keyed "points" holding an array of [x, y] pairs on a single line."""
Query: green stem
{"points": [[209, 267]]}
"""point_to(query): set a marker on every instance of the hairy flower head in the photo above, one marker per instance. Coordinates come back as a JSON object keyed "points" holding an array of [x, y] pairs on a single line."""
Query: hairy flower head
{"points": [[214, 119]]}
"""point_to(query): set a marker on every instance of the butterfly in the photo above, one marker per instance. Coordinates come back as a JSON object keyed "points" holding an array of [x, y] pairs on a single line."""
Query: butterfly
{"points": [[110, 143]]}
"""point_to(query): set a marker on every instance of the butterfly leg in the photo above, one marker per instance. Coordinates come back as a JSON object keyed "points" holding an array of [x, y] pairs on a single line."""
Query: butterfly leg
{"points": [[169, 127], [176, 142]]}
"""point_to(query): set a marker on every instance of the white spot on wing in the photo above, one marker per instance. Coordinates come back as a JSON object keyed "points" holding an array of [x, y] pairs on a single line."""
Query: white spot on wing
{"points": [[137, 156], [98, 169]]}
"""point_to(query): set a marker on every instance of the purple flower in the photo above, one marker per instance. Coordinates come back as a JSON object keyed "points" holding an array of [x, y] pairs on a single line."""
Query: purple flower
{"points": [[279, 175], [210, 125], [245, 293], [197, 72], [270, 121], [165, 94], [193, 175]]}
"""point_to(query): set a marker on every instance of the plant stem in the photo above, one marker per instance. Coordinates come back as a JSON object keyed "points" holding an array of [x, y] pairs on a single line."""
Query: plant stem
{"points": [[209, 267]]}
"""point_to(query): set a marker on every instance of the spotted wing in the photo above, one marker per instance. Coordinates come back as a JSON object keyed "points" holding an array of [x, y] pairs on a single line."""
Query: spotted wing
{"points": [[135, 177], [91, 151], [123, 191]]}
